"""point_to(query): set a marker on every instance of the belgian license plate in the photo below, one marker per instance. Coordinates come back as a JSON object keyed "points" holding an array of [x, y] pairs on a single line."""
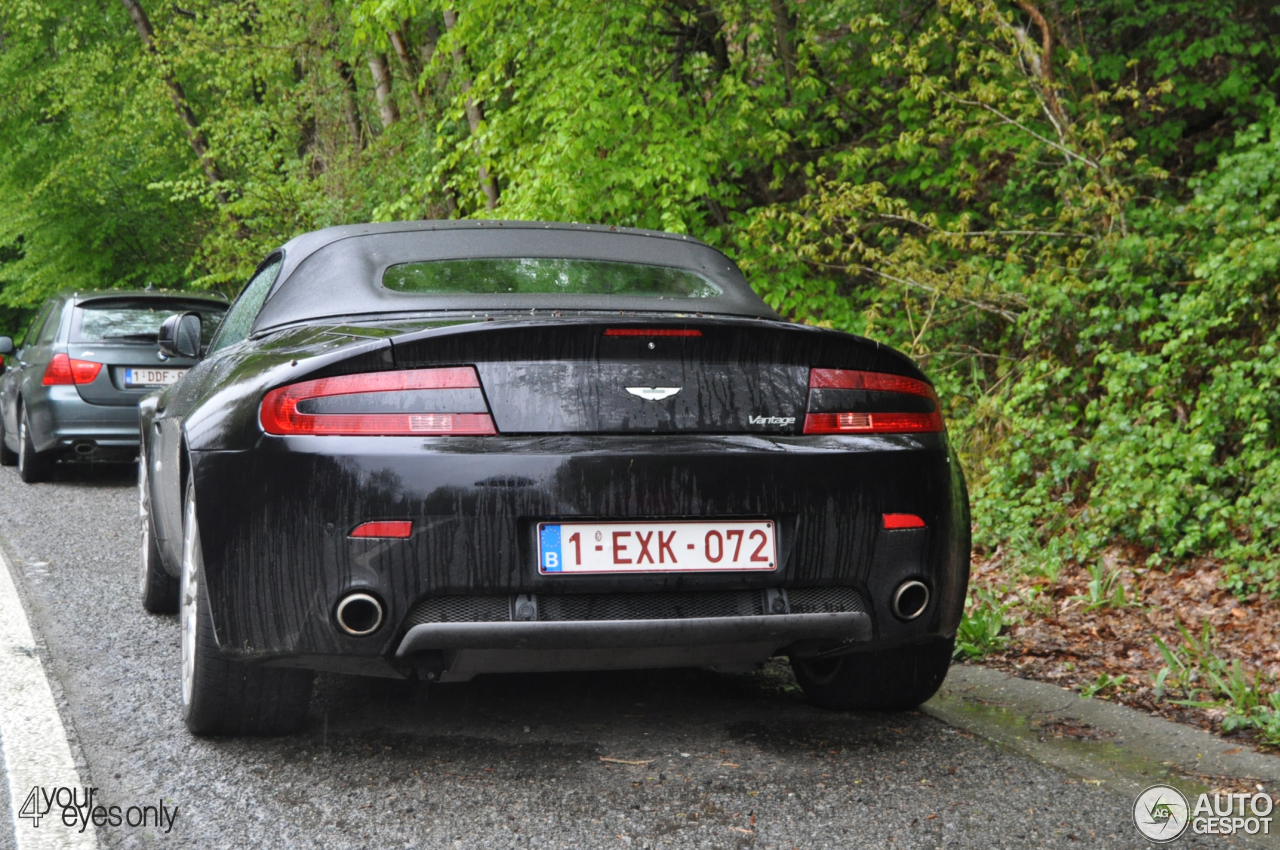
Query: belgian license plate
{"points": [[644, 547], [152, 377]]}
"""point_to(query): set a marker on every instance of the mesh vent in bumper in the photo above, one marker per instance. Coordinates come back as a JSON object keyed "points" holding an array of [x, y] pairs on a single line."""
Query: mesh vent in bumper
{"points": [[825, 600], [460, 609], [651, 606]]}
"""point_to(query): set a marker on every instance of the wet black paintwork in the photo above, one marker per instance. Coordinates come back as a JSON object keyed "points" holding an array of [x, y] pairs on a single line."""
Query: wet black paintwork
{"points": [[275, 511]]}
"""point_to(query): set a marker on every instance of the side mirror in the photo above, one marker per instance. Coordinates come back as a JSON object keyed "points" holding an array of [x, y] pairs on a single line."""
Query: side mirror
{"points": [[179, 336], [6, 345]]}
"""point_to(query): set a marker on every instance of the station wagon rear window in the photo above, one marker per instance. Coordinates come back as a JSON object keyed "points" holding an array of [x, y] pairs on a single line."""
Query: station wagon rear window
{"points": [[138, 321], [546, 276]]}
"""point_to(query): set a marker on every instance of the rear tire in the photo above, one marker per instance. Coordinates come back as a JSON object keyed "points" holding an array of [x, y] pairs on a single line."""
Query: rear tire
{"points": [[892, 680], [8, 457], [159, 589], [221, 696], [33, 466]]}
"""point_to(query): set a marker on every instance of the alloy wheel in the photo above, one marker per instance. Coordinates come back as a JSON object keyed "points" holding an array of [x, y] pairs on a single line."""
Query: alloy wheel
{"points": [[190, 599], [144, 511]]}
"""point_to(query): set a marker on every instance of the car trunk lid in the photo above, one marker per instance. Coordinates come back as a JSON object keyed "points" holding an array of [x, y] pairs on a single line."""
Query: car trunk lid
{"points": [[111, 385], [643, 376]]}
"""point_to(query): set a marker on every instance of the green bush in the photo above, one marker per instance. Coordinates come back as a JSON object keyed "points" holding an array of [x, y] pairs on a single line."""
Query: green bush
{"points": [[1066, 212]]}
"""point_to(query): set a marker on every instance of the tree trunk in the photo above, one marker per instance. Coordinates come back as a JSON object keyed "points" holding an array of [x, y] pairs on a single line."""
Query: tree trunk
{"points": [[427, 52], [411, 73], [179, 97], [475, 113], [783, 26], [350, 91], [382, 88], [350, 106]]}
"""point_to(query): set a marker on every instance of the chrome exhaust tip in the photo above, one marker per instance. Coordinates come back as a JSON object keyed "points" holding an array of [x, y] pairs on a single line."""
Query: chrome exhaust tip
{"points": [[910, 600], [85, 449], [359, 614]]}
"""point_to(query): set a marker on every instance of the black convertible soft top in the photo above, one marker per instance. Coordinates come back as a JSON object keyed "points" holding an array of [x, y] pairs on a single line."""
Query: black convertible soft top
{"points": [[337, 272]]}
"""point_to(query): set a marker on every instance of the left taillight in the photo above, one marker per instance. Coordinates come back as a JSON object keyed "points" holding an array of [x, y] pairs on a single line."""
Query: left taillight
{"points": [[412, 403], [844, 401], [66, 370]]}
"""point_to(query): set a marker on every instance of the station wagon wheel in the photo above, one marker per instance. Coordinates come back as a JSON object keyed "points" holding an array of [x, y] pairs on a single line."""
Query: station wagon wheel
{"points": [[886, 680], [33, 466], [159, 589], [8, 457], [221, 696]]}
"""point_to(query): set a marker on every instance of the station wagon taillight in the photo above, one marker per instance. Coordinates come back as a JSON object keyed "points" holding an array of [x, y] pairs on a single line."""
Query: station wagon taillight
{"points": [[844, 401], [410, 403], [66, 370]]}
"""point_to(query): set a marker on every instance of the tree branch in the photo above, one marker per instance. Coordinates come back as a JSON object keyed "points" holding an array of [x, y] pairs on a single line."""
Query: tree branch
{"points": [[195, 137]]}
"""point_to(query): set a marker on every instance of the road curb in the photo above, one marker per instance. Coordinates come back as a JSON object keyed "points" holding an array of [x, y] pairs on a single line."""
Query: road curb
{"points": [[1096, 740]]}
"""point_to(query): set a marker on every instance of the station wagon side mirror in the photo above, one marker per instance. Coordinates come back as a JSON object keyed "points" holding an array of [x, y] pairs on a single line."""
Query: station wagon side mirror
{"points": [[6, 345], [179, 335]]}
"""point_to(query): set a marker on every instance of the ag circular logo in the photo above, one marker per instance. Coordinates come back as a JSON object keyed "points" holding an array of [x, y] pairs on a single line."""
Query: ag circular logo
{"points": [[1161, 813]]}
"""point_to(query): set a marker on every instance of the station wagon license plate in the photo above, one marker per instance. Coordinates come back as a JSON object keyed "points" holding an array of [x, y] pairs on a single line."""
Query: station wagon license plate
{"points": [[643, 547], [152, 377]]}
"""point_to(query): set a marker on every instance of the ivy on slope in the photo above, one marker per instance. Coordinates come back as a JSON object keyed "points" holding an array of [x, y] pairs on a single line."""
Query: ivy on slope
{"points": [[1165, 429]]}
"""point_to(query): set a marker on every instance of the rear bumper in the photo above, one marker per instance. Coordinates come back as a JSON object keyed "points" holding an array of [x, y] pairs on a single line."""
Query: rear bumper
{"points": [[67, 420], [275, 522]]}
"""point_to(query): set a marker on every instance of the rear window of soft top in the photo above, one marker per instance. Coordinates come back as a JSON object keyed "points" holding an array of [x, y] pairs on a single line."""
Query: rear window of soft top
{"points": [[546, 276]]}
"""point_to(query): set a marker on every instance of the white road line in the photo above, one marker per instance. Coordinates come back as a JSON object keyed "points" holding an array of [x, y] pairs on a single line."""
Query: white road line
{"points": [[36, 752]]}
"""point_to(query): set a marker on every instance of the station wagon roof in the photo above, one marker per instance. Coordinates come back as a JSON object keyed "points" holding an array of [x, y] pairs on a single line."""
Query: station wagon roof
{"points": [[138, 294]]}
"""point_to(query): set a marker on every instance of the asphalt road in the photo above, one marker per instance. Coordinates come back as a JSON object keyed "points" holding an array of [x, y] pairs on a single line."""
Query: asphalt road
{"points": [[509, 761]]}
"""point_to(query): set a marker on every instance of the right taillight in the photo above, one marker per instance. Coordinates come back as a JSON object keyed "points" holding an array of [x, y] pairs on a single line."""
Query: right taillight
{"points": [[844, 401], [414, 403]]}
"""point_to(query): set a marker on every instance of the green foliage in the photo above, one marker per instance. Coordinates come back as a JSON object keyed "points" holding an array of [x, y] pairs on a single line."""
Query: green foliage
{"points": [[982, 626], [1104, 682], [1204, 679], [1078, 243], [1104, 588]]}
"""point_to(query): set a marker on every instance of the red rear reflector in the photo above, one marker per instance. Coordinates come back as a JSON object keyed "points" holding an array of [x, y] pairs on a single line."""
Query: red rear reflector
{"points": [[902, 521], [63, 370], [650, 332], [386, 528], [279, 413]]}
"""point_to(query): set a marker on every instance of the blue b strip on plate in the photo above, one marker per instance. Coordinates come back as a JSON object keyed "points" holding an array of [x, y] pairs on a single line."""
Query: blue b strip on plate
{"points": [[550, 557]]}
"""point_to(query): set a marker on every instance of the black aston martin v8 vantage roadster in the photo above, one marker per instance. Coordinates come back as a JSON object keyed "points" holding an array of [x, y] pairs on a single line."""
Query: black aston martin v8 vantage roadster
{"points": [[437, 449]]}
